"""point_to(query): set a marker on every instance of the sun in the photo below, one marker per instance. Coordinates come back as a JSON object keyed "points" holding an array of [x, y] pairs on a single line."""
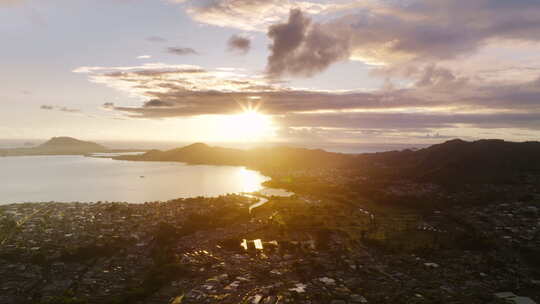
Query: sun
{"points": [[250, 125]]}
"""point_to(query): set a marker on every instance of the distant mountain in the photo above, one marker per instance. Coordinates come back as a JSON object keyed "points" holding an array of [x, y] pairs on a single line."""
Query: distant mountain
{"points": [[452, 162], [57, 146], [458, 161], [259, 158], [69, 144]]}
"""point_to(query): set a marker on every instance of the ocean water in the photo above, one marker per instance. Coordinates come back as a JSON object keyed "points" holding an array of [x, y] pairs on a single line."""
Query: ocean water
{"points": [[88, 179]]}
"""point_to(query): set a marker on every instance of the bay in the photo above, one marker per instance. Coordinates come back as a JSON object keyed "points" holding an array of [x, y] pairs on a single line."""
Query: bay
{"points": [[89, 179]]}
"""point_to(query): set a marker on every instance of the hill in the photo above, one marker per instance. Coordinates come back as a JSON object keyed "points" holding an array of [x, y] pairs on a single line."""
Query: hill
{"points": [[458, 161], [69, 144], [263, 159], [57, 146], [452, 162]]}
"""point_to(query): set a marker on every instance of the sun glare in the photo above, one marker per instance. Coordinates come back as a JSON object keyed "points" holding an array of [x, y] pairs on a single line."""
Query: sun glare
{"points": [[251, 125], [250, 180]]}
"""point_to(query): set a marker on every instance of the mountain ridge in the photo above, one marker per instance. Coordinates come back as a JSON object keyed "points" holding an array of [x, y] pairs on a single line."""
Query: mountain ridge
{"points": [[453, 161]]}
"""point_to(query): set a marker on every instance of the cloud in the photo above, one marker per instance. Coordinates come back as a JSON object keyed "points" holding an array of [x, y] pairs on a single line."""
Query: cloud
{"points": [[302, 48], [430, 76], [156, 39], [46, 107], [419, 122], [434, 30], [69, 110], [438, 98], [239, 44], [389, 33], [144, 57], [433, 76], [59, 108], [255, 15], [182, 51], [395, 33], [156, 103], [341, 138], [108, 105]]}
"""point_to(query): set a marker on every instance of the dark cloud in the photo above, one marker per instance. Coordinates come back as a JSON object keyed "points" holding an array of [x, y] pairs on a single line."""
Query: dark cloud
{"points": [[419, 122], [108, 105], [181, 102], [47, 107], [446, 28], [433, 76], [239, 44], [69, 110], [396, 33], [182, 51], [430, 76], [302, 48], [286, 37], [156, 39], [59, 108], [156, 103]]}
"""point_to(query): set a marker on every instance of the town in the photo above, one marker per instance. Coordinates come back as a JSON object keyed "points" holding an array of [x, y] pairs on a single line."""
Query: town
{"points": [[306, 248]]}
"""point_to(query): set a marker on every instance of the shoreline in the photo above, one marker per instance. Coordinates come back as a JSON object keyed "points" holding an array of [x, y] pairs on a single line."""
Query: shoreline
{"points": [[173, 178]]}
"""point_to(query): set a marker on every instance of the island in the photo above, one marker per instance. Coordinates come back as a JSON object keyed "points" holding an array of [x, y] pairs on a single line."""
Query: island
{"points": [[62, 146]]}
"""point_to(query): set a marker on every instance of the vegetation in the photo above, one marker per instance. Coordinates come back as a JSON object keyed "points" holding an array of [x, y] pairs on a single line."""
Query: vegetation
{"points": [[451, 164]]}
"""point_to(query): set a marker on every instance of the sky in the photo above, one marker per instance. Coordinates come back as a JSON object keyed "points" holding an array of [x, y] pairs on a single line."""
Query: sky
{"points": [[348, 71]]}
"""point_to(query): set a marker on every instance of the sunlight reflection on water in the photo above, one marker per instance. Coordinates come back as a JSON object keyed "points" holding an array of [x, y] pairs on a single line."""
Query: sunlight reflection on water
{"points": [[87, 179], [250, 180]]}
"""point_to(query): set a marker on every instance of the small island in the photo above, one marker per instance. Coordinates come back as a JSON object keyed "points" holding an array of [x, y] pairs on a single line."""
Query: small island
{"points": [[61, 146]]}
